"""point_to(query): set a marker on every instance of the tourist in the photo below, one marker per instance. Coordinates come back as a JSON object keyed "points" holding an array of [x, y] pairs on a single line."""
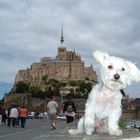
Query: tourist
{"points": [[14, 115], [52, 108], [23, 113], [1, 114], [8, 115], [69, 109], [4, 116]]}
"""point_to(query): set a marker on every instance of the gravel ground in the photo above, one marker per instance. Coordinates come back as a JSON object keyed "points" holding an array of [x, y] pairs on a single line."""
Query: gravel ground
{"points": [[62, 134]]}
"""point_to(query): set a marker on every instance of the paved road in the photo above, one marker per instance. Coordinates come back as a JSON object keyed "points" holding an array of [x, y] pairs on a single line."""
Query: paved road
{"points": [[40, 130], [34, 129]]}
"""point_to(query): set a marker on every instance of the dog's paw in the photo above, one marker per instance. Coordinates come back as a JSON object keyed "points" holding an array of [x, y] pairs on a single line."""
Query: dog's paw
{"points": [[88, 132], [71, 131], [115, 132], [74, 131]]}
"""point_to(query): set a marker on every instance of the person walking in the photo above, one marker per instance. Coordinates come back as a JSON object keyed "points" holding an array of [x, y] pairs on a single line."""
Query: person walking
{"points": [[1, 110], [14, 115], [52, 108], [8, 115], [69, 109], [23, 113], [4, 116]]}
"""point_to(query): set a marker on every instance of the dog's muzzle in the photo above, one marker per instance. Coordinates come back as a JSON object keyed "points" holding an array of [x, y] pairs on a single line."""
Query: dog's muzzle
{"points": [[116, 76]]}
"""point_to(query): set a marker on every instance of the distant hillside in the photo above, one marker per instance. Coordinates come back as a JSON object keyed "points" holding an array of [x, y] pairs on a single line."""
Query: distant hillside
{"points": [[4, 87]]}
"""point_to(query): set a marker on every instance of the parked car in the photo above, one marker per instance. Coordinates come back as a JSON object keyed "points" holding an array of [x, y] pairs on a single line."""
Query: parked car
{"points": [[31, 115], [137, 124], [130, 124], [133, 124], [41, 115], [61, 117]]}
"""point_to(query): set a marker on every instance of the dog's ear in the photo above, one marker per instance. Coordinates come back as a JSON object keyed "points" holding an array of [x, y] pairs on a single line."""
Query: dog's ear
{"points": [[134, 72], [100, 56]]}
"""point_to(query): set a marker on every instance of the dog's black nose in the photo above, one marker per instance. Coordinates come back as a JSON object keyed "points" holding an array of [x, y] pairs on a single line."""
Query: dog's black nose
{"points": [[116, 76]]}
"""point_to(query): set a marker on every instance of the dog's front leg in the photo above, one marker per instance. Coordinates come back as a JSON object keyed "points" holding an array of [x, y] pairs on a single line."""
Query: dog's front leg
{"points": [[113, 126], [89, 123]]}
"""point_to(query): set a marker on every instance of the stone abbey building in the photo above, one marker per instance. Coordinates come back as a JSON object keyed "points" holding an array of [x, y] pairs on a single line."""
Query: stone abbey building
{"points": [[67, 65]]}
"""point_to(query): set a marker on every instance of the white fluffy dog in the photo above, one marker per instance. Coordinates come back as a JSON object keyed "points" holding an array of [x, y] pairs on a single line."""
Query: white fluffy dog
{"points": [[103, 106]]}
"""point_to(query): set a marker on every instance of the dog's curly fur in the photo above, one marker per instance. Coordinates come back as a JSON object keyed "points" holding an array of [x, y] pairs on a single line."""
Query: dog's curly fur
{"points": [[103, 106]]}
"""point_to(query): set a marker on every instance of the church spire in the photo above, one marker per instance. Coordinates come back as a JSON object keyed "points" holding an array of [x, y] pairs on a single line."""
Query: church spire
{"points": [[62, 38]]}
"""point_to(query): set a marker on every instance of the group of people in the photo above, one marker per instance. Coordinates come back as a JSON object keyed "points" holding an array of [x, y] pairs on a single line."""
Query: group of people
{"points": [[13, 116], [16, 116], [69, 110]]}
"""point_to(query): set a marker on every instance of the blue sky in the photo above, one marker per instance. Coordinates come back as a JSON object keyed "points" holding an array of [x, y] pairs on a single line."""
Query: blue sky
{"points": [[5, 88], [30, 30]]}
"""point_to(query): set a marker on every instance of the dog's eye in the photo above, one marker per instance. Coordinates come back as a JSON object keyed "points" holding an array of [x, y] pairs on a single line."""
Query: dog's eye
{"points": [[110, 67], [123, 69]]}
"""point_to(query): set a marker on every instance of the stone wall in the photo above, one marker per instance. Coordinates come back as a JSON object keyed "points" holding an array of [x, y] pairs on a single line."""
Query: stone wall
{"points": [[33, 104]]}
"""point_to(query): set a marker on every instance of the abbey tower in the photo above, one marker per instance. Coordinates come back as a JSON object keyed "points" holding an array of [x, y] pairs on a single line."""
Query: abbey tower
{"points": [[67, 65]]}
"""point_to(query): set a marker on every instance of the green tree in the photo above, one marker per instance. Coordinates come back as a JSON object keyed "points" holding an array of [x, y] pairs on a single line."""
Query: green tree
{"points": [[36, 92], [88, 87], [45, 79], [2, 101], [33, 89], [73, 83], [22, 87], [85, 87], [87, 78]]}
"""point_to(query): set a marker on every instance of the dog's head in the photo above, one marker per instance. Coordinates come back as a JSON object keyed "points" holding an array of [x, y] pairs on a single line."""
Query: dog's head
{"points": [[116, 72]]}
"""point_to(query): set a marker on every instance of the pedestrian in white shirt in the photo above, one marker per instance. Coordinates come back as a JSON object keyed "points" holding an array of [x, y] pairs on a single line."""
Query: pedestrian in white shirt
{"points": [[14, 115], [52, 108]]}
